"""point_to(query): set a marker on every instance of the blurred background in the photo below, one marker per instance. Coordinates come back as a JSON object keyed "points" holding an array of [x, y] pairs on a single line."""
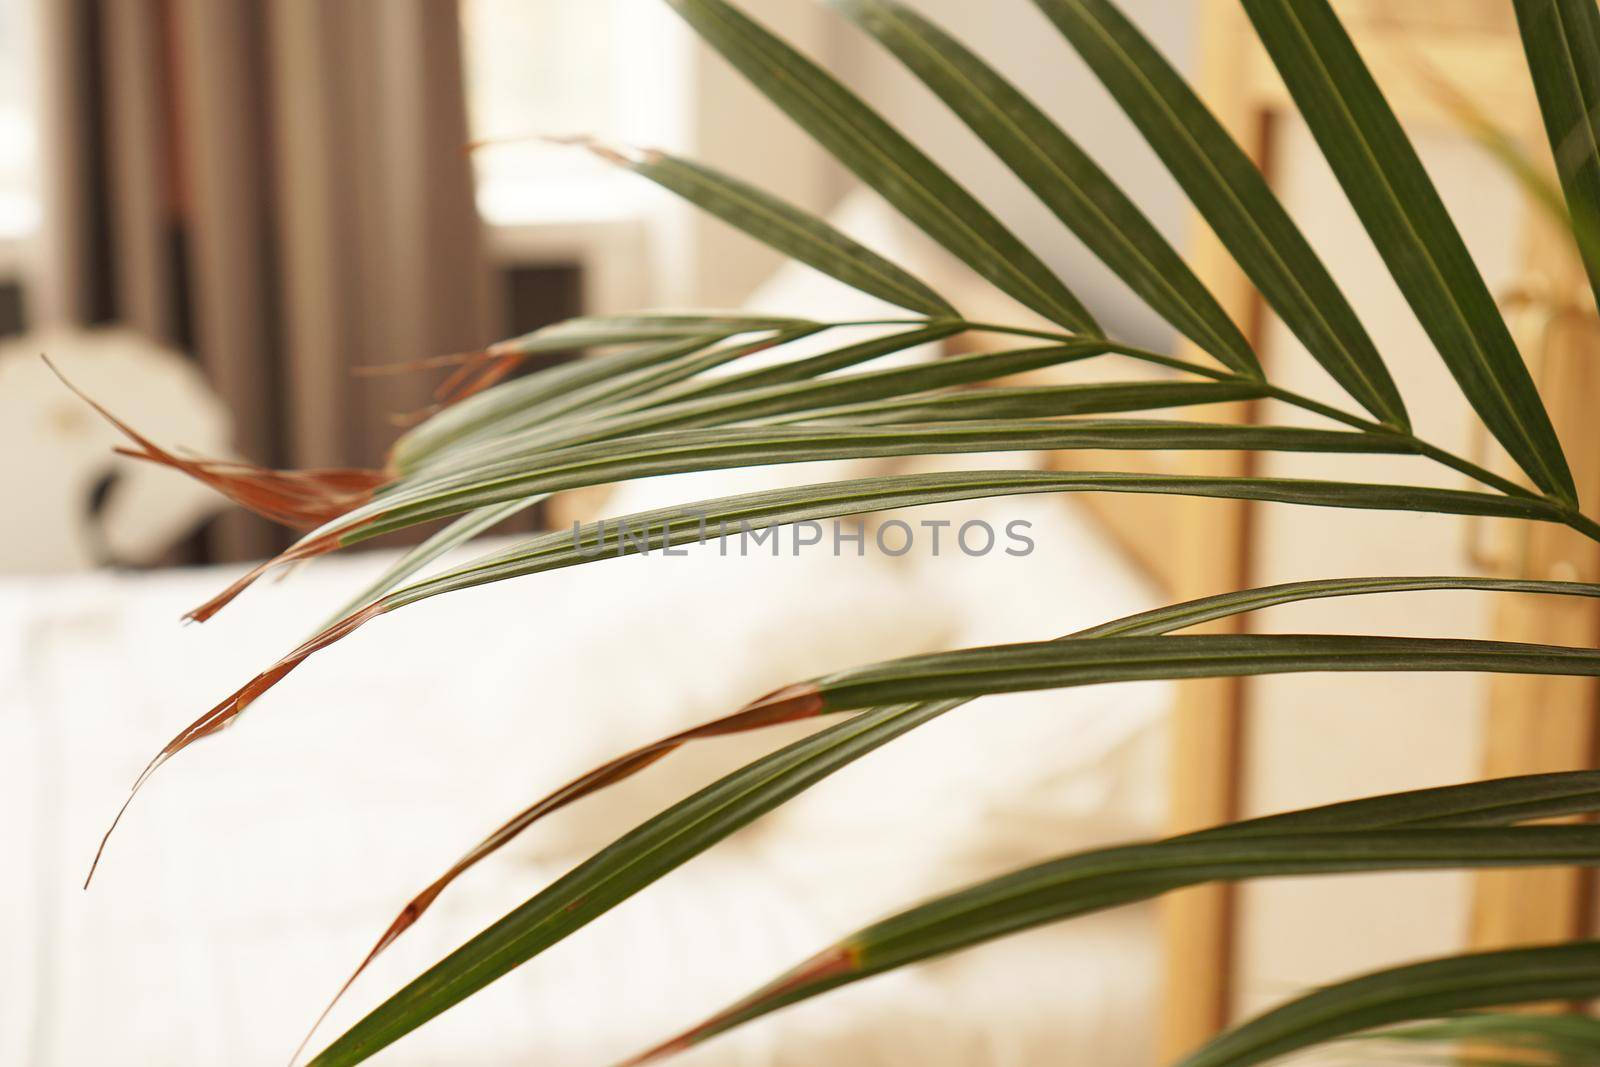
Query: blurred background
{"points": [[212, 212], [281, 191]]}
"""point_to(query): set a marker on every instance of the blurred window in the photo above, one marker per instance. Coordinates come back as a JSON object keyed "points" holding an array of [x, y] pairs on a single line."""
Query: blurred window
{"points": [[19, 202], [551, 68]]}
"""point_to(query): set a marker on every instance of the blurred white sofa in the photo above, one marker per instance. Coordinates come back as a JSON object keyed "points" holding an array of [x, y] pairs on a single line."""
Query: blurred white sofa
{"points": [[257, 868]]}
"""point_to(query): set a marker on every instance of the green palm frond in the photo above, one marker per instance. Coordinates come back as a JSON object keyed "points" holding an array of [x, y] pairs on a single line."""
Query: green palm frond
{"points": [[673, 392], [883, 158], [1562, 41], [1421, 991], [1063, 176], [1107, 878], [1380, 172], [1515, 1039], [782, 227], [1527, 798], [1111, 877], [1228, 190]]}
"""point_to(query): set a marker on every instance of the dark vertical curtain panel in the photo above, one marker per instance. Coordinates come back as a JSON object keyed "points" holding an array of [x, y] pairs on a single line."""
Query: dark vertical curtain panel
{"points": [[278, 187]]}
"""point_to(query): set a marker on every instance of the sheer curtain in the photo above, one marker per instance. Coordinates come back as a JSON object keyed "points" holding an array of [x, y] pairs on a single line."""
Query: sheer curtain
{"points": [[279, 187]]}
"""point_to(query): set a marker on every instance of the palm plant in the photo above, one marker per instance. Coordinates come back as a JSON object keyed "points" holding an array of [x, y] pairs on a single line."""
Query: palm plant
{"points": [[1546, 1040], [647, 407]]}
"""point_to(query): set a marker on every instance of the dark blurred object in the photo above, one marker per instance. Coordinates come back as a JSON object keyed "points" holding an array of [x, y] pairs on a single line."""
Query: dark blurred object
{"points": [[540, 294], [12, 320]]}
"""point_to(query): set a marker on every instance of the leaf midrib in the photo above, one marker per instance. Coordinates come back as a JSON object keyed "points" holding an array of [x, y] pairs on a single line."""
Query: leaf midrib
{"points": [[1323, 659]]}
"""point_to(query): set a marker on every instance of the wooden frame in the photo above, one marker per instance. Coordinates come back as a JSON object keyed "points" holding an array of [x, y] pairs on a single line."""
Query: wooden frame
{"points": [[1194, 547], [1549, 725], [1213, 556], [1532, 726]]}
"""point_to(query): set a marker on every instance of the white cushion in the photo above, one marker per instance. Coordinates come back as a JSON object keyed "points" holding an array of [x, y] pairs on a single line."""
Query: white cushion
{"points": [[60, 448]]}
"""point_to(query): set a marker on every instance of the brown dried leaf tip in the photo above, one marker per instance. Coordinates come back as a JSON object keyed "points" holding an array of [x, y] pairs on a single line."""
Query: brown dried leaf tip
{"points": [[298, 499], [309, 549], [790, 704], [830, 963], [234, 705]]}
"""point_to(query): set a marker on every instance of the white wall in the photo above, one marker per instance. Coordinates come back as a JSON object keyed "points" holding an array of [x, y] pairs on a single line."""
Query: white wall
{"points": [[734, 127]]}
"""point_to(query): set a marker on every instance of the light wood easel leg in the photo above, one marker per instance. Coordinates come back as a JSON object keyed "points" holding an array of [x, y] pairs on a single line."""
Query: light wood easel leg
{"points": [[1198, 923], [1206, 729], [1536, 725]]}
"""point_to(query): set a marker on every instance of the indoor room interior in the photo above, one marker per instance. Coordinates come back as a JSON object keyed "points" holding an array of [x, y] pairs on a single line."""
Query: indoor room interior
{"points": [[247, 236]]}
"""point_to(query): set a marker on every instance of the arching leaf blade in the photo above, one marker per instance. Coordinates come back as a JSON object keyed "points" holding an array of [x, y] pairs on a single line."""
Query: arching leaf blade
{"points": [[1035, 665], [883, 158], [671, 838], [1035, 401], [1104, 878], [716, 407], [1060, 174], [757, 511], [629, 388], [1232, 196], [1485, 803], [1556, 1040], [480, 413], [519, 414], [781, 226], [1562, 41], [816, 366], [453, 536], [725, 448], [758, 515], [1416, 991], [1385, 182]]}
